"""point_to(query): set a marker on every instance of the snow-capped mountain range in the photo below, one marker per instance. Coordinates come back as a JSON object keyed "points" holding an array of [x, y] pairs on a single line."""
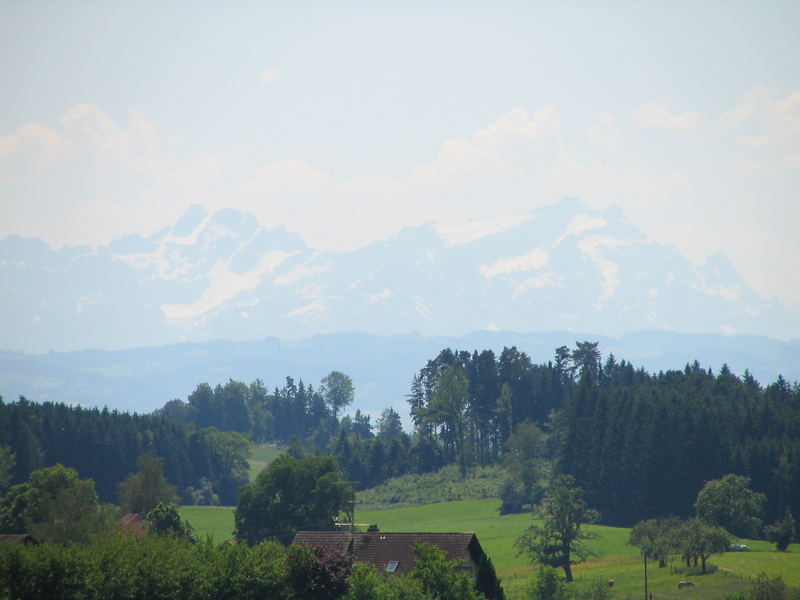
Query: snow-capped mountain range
{"points": [[222, 275]]}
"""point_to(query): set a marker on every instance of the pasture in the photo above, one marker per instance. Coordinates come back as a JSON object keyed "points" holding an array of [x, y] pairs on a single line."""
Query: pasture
{"points": [[261, 456], [613, 557]]}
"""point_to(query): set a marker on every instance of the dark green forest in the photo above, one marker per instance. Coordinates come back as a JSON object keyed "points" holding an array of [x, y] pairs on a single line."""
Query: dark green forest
{"points": [[639, 444], [105, 445]]}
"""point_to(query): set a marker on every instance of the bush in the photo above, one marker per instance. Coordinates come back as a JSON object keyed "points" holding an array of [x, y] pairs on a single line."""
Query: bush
{"points": [[444, 485], [596, 590], [774, 588], [547, 586], [782, 532], [165, 520]]}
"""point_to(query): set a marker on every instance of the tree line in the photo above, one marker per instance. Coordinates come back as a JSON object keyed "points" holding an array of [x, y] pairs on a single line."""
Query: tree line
{"points": [[105, 446], [294, 410]]}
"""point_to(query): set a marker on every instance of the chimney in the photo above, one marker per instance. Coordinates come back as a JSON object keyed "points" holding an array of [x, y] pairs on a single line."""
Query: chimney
{"points": [[372, 529]]}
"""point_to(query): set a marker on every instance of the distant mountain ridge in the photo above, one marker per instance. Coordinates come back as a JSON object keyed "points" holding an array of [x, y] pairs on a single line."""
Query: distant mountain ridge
{"points": [[222, 275]]}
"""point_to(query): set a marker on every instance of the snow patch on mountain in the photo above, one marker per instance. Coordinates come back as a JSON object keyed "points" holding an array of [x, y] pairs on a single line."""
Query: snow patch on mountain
{"points": [[315, 309], [530, 261], [464, 233], [427, 310], [303, 271], [382, 295], [162, 263], [539, 281], [223, 285], [609, 270], [580, 224]]}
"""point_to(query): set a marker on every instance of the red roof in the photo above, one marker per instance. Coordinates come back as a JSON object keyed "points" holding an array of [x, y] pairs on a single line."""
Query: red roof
{"points": [[133, 523], [381, 549]]}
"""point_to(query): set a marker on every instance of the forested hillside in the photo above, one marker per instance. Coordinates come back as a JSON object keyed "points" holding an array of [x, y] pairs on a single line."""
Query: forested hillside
{"points": [[640, 444], [104, 446]]}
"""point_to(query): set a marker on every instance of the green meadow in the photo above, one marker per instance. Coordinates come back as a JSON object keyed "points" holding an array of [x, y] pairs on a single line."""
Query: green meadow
{"points": [[216, 521], [613, 557], [261, 456]]}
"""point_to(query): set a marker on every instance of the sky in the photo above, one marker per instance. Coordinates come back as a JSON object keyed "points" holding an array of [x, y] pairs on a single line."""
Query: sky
{"points": [[346, 121]]}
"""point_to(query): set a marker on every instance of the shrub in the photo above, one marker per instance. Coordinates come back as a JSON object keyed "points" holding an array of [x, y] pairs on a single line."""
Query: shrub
{"points": [[596, 590], [774, 588], [547, 586], [444, 485], [782, 532]]}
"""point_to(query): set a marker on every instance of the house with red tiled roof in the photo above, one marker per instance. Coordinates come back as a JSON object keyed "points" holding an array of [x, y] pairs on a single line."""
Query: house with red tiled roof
{"points": [[133, 523], [394, 552]]}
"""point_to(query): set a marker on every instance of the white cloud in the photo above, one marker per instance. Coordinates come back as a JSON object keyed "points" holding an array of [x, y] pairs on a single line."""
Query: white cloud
{"points": [[500, 147], [654, 115], [603, 131], [766, 125], [271, 75], [92, 180]]}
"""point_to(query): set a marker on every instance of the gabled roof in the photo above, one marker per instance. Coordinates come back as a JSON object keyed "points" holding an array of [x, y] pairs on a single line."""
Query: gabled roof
{"points": [[380, 549], [133, 523]]}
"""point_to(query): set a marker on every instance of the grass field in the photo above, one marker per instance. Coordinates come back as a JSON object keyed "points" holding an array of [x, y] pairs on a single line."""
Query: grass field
{"points": [[216, 521], [262, 455], [614, 558]]}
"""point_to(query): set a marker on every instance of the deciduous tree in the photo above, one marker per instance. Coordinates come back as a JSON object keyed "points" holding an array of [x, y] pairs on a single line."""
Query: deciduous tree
{"points": [[560, 536], [337, 390], [730, 503], [449, 406], [389, 425], [441, 579], [524, 459], [655, 537], [698, 540], [289, 495], [54, 505], [166, 520], [143, 490]]}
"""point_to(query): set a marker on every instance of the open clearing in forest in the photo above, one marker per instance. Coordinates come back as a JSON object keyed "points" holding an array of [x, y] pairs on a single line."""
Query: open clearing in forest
{"points": [[261, 456], [216, 521], [614, 558]]}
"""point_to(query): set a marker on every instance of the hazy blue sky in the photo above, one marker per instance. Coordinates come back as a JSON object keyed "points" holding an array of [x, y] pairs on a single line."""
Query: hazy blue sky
{"points": [[346, 121]]}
